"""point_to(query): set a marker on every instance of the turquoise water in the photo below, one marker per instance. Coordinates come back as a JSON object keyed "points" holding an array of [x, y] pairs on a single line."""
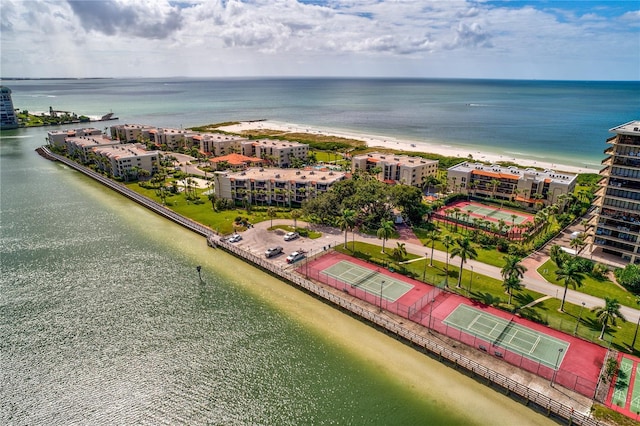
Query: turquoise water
{"points": [[557, 122], [103, 319]]}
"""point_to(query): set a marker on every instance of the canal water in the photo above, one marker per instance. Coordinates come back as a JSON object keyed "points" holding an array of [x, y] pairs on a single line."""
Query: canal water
{"points": [[103, 320]]}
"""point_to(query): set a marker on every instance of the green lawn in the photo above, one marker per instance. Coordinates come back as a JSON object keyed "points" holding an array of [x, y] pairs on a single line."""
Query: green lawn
{"points": [[222, 222], [591, 286]]}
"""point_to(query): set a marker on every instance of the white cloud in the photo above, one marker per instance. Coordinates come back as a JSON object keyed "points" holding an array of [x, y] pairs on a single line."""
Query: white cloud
{"points": [[339, 37]]}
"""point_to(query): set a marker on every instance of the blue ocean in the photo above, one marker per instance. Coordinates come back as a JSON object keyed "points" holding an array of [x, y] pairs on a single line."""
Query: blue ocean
{"points": [[563, 122]]}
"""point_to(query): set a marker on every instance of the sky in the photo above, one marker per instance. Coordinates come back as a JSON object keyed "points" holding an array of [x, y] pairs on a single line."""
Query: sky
{"points": [[547, 40]]}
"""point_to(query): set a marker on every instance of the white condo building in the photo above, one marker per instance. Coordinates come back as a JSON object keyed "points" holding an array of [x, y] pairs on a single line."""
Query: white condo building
{"points": [[402, 169]]}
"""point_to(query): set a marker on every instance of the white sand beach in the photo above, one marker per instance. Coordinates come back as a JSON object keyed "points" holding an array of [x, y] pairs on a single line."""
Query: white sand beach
{"points": [[405, 145]]}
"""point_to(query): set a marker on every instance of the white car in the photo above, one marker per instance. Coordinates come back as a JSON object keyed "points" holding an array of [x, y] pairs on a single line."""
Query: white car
{"points": [[235, 238], [291, 236], [295, 256]]}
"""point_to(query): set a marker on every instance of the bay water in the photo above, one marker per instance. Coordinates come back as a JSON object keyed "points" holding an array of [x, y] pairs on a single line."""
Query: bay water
{"points": [[103, 319]]}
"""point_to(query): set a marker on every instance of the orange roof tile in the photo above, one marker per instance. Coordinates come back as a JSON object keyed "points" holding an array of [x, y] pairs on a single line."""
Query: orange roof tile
{"points": [[236, 159]]}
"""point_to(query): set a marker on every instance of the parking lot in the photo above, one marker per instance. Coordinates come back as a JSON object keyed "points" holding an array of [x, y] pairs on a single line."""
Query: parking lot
{"points": [[258, 239]]}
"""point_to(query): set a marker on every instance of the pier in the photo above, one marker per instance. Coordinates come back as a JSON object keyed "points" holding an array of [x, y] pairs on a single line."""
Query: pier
{"points": [[564, 406]]}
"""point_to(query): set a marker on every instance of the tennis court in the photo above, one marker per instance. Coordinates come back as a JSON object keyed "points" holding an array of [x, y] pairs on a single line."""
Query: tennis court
{"points": [[490, 213], [509, 335], [371, 281]]}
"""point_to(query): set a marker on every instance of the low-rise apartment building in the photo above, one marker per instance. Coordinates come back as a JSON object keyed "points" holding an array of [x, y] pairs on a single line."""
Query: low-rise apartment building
{"points": [[277, 153], [510, 183], [126, 160], [131, 132], [396, 168], [219, 144], [82, 146], [617, 222], [57, 138], [275, 186]]}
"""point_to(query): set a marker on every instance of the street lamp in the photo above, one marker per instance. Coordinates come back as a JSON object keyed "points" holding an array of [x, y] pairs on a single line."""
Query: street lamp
{"points": [[580, 317], [381, 284], [555, 372], [424, 272], [470, 282]]}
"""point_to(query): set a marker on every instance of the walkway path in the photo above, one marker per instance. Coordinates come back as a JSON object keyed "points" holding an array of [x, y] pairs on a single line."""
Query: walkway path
{"points": [[532, 280]]}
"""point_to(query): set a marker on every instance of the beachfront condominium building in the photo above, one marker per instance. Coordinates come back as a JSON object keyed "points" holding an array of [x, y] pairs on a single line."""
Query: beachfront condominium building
{"points": [[81, 147], [218, 144], [58, 138], [274, 186], [617, 222], [126, 161], [131, 132], [275, 152], [8, 118], [528, 186], [394, 169]]}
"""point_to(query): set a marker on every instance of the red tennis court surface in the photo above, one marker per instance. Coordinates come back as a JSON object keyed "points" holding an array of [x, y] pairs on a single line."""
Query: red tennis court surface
{"points": [[428, 305]]}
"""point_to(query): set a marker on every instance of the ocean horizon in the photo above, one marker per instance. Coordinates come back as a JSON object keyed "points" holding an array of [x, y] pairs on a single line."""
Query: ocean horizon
{"points": [[553, 121]]}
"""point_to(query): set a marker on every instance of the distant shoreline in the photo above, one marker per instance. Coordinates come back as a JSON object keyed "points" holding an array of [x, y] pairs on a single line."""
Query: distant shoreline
{"points": [[373, 141]]}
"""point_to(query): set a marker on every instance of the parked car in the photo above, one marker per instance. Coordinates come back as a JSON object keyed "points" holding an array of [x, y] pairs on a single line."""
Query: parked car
{"points": [[273, 251], [295, 256], [291, 236], [235, 238]]}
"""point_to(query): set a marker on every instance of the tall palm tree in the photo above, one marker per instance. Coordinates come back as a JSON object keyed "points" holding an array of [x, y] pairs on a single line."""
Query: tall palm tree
{"points": [[512, 267], [610, 312], [271, 212], [295, 215], [431, 237], [346, 222], [447, 241], [510, 283], [385, 231], [570, 273], [465, 250], [494, 187]]}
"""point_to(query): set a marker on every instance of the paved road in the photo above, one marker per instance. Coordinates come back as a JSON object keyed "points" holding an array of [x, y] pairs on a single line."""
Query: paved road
{"points": [[259, 238]]}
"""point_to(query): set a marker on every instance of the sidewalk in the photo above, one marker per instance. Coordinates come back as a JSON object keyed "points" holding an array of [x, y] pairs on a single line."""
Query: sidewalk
{"points": [[532, 280]]}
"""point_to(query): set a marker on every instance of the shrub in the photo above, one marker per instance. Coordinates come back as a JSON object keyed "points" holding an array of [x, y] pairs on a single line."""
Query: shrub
{"points": [[629, 277]]}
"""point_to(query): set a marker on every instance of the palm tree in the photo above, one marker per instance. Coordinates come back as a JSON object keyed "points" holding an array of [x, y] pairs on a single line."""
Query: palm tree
{"points": [[494, 187], [512, 267], [570, 273], [510, 283], [578, 243], [271, 212], [346, 222], [431, 237], [465, 251], [385, 231], [399, 252], [295, 215], [610, 312], [447, 241]]}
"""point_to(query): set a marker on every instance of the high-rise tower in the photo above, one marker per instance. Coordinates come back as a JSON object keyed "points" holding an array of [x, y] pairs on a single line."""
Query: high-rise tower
{"points": [[617, 230], [8, 119]]}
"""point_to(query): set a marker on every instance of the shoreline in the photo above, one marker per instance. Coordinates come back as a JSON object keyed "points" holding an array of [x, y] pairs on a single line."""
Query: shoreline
{"points": [[373, 141]]}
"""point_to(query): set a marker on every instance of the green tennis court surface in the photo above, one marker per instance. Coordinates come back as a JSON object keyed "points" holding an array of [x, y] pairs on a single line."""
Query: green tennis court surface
{"points": [[621, 388], [509, 335], [479, 210], [372, 281]]}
